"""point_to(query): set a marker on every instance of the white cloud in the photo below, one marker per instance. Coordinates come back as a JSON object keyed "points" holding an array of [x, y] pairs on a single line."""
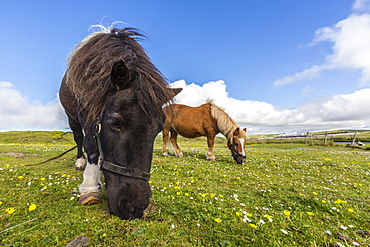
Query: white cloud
{"points": [[361, 5], [343, 108], [309, 73], [347, 111], [308, 90], [350, 50], [16, 113]]}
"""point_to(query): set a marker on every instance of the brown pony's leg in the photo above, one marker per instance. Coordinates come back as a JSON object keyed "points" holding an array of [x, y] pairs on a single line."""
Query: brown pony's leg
{"points": [[210, 142], [165, 140], [173, 139]]}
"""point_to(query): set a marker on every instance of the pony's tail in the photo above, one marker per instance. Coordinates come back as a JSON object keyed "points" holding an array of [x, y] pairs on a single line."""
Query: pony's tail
{"points": [[170, 148]]}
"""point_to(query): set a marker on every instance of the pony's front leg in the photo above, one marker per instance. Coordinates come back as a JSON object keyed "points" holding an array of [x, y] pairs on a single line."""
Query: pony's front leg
{"points": [[210, 142], [91, 185]]}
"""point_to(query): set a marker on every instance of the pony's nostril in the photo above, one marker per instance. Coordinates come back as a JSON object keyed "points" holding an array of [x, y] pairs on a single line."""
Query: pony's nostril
{"points": [[130, 207]]}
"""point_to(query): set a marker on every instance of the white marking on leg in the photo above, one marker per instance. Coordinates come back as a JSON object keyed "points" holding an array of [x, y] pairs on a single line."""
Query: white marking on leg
{"points": [[210, 156], [80, 163], [91, 181]]}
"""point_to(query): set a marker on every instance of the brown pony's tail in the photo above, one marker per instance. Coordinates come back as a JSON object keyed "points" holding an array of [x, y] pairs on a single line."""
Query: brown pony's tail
{"points": [[170, 148]]}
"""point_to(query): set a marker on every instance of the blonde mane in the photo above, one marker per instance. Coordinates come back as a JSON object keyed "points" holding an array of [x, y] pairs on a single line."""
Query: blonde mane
{"points": [[225, 124]]}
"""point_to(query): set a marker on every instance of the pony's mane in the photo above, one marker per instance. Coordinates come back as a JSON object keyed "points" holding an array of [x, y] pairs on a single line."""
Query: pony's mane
{"points": [[225, 124], [90, 65]]}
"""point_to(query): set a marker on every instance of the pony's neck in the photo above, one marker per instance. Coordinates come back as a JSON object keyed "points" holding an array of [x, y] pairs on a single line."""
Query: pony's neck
{"points": [[228, 132]]}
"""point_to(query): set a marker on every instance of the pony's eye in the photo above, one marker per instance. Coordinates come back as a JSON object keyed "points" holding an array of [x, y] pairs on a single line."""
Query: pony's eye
{"points": [[114, 123]]}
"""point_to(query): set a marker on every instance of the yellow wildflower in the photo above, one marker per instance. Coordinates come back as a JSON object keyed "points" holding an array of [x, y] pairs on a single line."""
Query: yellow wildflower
{"points": [[286, 212], [310, 213], [10, 210], [351, 210], [218, 220], [252, 225], [267, 216], [32, 207]]}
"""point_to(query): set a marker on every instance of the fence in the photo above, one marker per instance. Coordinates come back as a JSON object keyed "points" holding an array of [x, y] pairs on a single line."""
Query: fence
{"points": [[309, 138]]}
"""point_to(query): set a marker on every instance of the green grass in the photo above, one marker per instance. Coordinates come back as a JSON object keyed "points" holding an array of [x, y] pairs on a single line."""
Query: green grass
{"points": [[285, 195]]}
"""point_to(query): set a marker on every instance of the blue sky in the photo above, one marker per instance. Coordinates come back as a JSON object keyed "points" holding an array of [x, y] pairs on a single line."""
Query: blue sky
{"points": [[267, 58]]}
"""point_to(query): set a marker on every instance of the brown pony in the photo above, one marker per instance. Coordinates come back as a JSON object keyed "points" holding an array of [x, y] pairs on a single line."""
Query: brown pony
{"points": [[205, 120]]}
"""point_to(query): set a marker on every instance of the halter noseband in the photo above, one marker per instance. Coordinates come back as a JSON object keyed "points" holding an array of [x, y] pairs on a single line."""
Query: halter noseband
{"points": [[124, 171], [237, 154]]}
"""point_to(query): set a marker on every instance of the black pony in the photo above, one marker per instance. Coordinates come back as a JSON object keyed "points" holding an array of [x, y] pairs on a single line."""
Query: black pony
{"points": [[112, 93]]}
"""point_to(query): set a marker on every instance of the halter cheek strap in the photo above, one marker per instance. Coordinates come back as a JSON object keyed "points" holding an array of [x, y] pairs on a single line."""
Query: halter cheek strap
{"points": [[105, 165], [237, 154]]}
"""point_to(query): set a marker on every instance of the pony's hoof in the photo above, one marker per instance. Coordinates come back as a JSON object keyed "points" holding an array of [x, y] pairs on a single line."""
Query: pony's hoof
{"points": [[165, 154], [80, 168], [211, 158], [88, 199]]}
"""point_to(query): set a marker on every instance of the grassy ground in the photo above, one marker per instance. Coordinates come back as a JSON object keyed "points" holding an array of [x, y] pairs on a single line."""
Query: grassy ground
{"points": [[285, 195]]}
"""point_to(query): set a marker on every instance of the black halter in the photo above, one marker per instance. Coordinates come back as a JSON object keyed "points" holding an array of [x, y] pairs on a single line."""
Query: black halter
{"points": [[124, 171], [237, 154]]}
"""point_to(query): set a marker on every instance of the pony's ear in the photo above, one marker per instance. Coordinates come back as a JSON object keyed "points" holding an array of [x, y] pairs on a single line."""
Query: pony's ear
{"points": [[245, 130], [120, 76], [176, 91], [236, 132]]}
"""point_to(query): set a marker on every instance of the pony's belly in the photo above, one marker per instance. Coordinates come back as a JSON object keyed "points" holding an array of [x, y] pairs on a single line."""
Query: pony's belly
{"points": [[190, 134]]}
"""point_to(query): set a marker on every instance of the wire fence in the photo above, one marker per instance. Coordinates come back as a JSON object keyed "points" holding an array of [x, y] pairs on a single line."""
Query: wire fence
{"points": [[326, 138]]}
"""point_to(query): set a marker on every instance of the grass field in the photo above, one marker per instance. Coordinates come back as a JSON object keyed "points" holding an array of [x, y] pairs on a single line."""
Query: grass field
{"points": [[285, 195]]}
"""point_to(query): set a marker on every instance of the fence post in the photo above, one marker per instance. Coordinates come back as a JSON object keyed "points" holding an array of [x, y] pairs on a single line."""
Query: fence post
{"points": [[326, 138], [354, 139], [307, 137]]}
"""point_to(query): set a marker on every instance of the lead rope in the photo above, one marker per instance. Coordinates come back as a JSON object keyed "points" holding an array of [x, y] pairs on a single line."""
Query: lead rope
{"points": [[54, 158]]}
